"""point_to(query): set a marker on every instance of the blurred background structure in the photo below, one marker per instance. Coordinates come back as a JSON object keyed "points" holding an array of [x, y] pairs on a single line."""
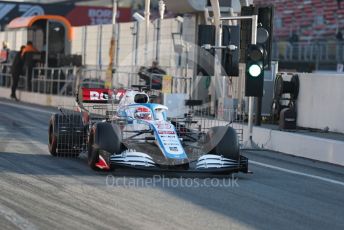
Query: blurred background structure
{"points": [[307, 37], [308, 32]]}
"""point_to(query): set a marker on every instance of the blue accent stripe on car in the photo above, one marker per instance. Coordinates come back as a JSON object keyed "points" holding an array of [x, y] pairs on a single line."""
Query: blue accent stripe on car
{"points": [[168, 155]]}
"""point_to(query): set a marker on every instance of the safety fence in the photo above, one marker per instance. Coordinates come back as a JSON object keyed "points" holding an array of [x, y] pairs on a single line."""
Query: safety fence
{"points": [[62, 81], [6, 77], [315, 51], [56, 81]]}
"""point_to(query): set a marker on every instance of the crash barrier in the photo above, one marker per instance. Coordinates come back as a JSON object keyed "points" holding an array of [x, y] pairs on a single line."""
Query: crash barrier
{"points": [[304, 145]]}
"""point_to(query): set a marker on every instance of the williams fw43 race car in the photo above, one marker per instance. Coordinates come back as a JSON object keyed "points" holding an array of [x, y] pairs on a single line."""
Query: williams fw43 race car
{"points": [[121, 128]]}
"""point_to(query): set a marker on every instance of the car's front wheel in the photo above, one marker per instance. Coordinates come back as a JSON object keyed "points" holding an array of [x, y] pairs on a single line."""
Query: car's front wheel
{"points": [[223, 140], [92, 153], [104, 140]]}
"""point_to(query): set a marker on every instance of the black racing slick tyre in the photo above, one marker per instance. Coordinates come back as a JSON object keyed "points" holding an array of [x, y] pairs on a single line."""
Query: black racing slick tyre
{"points": [[52, 135], [104, 139], [223, 140], [66, 135]]}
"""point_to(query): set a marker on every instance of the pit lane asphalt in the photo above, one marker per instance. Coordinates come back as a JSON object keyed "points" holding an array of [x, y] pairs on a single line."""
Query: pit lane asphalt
{"points": [[38, 191]]}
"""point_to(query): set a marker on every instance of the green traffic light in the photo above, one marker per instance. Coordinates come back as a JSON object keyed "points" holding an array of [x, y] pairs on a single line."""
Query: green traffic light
{"points": [[254, 70]]}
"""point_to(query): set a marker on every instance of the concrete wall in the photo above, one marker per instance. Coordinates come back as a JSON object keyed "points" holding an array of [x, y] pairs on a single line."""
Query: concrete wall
{"points": [[98, 39], [78, 42], [92, 44], [321, 101], [125, 44], [320, 149]]}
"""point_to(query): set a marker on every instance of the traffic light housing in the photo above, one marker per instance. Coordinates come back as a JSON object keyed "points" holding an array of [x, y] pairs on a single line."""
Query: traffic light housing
{"points": [[254, 70], [206, 58], [230, 58], [246, 30], [265, 31]]}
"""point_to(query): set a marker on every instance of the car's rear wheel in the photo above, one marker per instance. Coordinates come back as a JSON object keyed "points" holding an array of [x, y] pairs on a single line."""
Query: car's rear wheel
{"points": [[66, 135], [52, 139]]}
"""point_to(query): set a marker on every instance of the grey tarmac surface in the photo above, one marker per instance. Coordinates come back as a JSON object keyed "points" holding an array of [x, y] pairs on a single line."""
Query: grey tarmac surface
{"points": [[38, 191]]}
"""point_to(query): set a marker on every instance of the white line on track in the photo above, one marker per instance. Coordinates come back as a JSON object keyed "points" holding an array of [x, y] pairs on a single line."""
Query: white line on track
{"points": [[27, 108], [16, 219], [298, 173]]}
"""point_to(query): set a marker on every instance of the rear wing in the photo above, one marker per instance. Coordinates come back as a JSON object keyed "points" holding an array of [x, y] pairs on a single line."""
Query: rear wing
{"points": [[100, 95]]}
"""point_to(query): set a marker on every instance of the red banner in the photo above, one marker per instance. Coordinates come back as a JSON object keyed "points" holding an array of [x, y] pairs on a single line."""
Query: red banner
{"points": [[101, 95], [95, 94], [87, 15]]}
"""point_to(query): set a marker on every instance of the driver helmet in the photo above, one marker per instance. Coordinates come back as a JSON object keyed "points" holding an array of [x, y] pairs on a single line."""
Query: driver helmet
{"points": [[143, 114]]}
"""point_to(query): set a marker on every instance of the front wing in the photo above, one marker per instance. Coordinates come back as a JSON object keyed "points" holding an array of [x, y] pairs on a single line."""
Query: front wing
{"points": [[208, 163]]}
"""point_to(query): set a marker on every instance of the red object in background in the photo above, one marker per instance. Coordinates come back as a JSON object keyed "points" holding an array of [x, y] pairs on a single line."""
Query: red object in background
{"points": [[3, 55], [88, 15], [101, 95], [96, 94]]}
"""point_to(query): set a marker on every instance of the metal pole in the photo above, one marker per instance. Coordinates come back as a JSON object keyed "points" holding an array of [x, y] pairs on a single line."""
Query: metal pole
{"points": [[100, 60], [180, 55], [254, 19], [258, 120], [251, 99], [96, 56], [147, 16], [47, 45], [241, 18], [109, 72], [137, 41], [157, 50], [99, 51], [114, 17], [186, 60], [161, 12], [117, 26], [115, 30], [217, 65], [114, 12], [133, 61], [84, 40]]}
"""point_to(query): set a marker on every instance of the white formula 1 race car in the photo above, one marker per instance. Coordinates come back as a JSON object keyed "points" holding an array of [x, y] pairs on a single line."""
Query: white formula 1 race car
{"points": [[121, 128]]}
